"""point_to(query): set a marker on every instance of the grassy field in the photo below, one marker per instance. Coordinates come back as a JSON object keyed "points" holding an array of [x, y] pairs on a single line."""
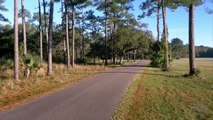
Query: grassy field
{"points": [[13, 93], [158, 95]]}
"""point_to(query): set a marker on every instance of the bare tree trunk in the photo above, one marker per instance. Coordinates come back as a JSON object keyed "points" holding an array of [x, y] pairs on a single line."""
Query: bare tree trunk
{"points": [[113, 41], [166, 59], [50, 34], [191, 41], [40, 31], [121, 59], [24, 27], [158, 21], [16, 51], [73, 35], [83, 47], [106, 52], [76, 53], [65, 48], [45, 22], [67, 36], [83, 51], [95, 49], [134, 55], [80, 42], [63, 34]]}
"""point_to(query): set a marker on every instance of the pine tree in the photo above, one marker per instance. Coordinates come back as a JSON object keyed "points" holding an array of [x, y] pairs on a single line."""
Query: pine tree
{"points": [[40, 30], [16, 50], [24, 27], [50, 34]]}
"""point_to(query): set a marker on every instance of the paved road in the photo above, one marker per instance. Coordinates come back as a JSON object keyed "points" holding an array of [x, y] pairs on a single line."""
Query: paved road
{"points": [[91, 99]]}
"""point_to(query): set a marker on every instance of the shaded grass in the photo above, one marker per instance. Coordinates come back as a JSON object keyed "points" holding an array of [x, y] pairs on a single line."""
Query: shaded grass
{"points": [[13, 93], [158, 95]]}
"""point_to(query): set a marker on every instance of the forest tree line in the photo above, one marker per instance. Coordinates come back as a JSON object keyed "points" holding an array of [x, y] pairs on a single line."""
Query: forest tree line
{"points": [[180, 50]]}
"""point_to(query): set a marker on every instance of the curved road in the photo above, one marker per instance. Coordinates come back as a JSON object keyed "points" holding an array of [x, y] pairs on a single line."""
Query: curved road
{"points": [[91, 99]]}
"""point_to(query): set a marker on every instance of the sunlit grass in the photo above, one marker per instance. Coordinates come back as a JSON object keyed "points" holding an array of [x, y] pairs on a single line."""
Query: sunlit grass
{"points": [[158, 95]]}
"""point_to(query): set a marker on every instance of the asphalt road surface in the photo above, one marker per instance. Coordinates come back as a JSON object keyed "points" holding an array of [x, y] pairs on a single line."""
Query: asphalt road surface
{"points": [[90, 99]]}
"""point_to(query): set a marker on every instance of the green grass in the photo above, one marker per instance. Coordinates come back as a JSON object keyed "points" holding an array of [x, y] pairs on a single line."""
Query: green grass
{"points": [[158, 95]]}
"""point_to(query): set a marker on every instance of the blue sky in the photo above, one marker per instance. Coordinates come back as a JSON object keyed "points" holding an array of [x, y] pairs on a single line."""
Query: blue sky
{"points": [[177, 21]]}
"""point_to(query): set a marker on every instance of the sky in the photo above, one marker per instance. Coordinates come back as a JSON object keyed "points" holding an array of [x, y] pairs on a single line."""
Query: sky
{"points": [[177, 20]]}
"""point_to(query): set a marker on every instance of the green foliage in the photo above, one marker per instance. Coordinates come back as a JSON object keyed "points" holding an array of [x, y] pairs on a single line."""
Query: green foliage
{"points": [[26, 12], [97, 50], [6, 62], [149, 7], [76, 2], [157, 56], [30, 61], [187, 3], [82, 61], [2, 8], [202, 51], [178, 49]]}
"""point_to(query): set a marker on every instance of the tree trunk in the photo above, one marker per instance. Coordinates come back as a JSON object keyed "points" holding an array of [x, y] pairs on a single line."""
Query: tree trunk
{"points": [[73, 35], [16, 51], [76, 53], [121, 59], [192, 66], [67, 36], [83, 51], [106, 52], [166, 59], [65, 48], [24, 27], [94, 38], [158, 21], [113, 41], [50, 34], [40, 31], [45, 22], [134, 55], [63, 34]]}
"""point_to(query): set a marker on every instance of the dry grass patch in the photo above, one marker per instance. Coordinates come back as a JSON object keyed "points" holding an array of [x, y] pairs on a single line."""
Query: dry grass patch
{"points": [[13, 92]]}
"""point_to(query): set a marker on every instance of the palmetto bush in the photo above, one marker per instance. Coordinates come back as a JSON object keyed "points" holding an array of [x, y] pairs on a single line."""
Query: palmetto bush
{"points": [[30, 61]]}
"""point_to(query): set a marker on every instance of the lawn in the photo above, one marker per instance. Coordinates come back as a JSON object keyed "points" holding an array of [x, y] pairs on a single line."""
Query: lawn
{"points": [[158, 95]]}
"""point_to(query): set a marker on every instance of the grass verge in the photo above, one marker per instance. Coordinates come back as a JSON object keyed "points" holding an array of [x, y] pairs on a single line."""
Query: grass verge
{"points": [[13, 93], [158, 95]]}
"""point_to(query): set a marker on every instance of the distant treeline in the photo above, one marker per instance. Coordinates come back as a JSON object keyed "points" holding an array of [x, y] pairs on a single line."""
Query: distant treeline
{"points": [[179, 50], [203, 51]]}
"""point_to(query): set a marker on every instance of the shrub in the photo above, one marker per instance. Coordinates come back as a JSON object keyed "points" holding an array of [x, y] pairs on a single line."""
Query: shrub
{"points": [[157, 57], [6, 62], [81, 61], [30, 61]]}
